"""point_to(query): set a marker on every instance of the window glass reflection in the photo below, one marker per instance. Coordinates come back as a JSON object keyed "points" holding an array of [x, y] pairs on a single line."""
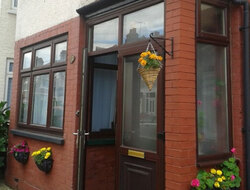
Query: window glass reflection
{"points": [[40, 99], [212, 19], [212, 107], [43, 56], [138, 25], [58, 99], [24, 100], [105, 35], [139, 109], [60, 52], [27, 60]]}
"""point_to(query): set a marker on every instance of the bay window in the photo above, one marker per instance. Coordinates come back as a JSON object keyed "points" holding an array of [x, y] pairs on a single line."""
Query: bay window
{"points": [[212, 86], [42, 93]]}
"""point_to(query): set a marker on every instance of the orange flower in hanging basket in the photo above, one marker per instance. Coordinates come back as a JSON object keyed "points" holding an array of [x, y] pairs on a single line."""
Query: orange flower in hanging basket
{"points": [[150, 66]]}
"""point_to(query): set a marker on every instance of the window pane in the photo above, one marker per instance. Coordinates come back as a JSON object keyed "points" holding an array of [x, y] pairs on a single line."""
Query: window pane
{"points": [[105, 35], [11, 66], [40, 99], [104, 97], [27, 60], [43, 56], [139, 109], [109, 59], [58, 99], [212, 108], [61, 52], [9, 89], [139, 25], [212, 19], [24, 100]]}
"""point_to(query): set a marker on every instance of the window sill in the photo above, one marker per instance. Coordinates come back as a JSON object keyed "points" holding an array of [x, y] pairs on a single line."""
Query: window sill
{"points": [[38, 136], [12, 11]]}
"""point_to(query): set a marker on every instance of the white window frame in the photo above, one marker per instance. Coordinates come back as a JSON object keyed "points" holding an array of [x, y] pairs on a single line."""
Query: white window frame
{"points": [[13, 4], [9, 74]]}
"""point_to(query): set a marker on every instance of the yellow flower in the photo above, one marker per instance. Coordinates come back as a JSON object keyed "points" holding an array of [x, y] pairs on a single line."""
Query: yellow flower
{"points": [[148, 52], [48, 154], [43, 149], [139, 60], [46, 157], [143, 62], [159, 58], [213, 171], [49, 149], [33, 154], [219, 172], [219, 179], [143, 54], [223, 178], [216, 184], [38, 152], [152, 56]]}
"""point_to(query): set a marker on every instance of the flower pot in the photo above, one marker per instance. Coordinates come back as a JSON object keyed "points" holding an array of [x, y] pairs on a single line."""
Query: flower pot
{"points": [[45, 165], [149, 75], [21, 157]]}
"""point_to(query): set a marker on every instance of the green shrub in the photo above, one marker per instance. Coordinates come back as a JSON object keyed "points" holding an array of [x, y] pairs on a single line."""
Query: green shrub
{"points": [[4, 126]]}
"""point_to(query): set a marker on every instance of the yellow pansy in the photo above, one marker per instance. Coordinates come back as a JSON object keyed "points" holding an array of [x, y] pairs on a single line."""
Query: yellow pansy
{"points": [[152, 56], [33, 154], [139, 60], [143, 54], [49, 149], [223, 178], [219, 179], [219, 172], [143, 62], [43, 149], [159, 58], [213, 171], [216, 184]]}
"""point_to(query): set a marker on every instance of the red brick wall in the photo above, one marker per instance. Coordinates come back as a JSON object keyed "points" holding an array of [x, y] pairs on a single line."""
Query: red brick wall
{"points": [[63, 173], [100, 168], [180, 146], [237, 86]]}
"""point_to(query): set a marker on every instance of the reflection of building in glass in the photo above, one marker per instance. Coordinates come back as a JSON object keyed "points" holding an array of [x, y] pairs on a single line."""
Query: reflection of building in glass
{"points": [[62, 55], [133, 36], [39, 61]]}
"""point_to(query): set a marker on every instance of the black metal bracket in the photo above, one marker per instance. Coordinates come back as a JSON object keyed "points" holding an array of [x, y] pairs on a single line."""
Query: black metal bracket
{"points": [[171, 52]]}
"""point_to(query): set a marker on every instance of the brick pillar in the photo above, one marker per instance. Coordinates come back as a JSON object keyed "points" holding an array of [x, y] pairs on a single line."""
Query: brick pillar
{"points": [[180, 116]]}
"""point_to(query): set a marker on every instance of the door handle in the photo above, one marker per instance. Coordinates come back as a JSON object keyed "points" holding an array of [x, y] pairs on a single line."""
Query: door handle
{"points": [[81, 133]]}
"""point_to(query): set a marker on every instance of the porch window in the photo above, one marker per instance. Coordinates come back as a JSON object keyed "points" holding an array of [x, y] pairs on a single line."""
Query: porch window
{"points": [[43, 86], [138, 25], [212, 86]]}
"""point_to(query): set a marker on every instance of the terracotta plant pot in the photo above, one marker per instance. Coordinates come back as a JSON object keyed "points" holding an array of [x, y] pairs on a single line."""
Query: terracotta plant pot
{"points": [[21, 157], [45, 166]]}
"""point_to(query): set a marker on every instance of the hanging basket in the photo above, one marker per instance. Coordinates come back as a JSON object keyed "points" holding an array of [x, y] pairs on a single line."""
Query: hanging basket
{"points": [[149, 66], [21, 157], [149, 76], [45, 165]]}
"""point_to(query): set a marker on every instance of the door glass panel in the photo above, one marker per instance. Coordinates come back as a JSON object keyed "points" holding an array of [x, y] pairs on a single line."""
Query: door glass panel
{"points": [[104, 96], [105, 35], [138, 25], [139, 109], [40, 99]]}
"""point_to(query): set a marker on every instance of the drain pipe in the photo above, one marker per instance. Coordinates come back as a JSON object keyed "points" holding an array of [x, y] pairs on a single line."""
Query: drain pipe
{"points": [[246, 85]]}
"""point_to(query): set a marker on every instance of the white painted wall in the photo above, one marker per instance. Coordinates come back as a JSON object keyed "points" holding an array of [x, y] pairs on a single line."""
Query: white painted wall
{"points": [[7, 40], [36, 15]]}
